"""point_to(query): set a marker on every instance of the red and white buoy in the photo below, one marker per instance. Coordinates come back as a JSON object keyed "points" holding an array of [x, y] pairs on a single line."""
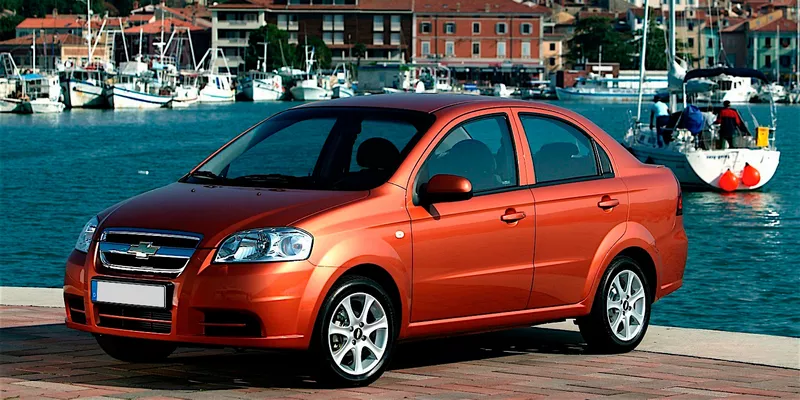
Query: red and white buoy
{"points": [[750, 175], [728, 181]]}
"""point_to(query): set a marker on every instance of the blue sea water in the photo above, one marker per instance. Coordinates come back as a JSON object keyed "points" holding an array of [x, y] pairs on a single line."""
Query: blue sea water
{"points": [[57, 171]]}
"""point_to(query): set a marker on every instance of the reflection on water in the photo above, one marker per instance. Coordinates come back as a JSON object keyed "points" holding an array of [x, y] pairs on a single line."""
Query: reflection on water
{"points": [[56, 171]]}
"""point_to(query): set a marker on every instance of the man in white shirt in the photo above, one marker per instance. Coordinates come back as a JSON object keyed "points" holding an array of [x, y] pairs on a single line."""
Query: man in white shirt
{"points": [[660, 112]]}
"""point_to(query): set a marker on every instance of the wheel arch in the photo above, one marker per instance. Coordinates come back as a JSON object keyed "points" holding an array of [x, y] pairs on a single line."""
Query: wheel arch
{"points": [[383, 278]]}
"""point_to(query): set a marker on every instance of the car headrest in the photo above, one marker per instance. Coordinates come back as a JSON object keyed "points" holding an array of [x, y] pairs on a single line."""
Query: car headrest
{"points": [[378, 153], [472, 155], [562, 149]]}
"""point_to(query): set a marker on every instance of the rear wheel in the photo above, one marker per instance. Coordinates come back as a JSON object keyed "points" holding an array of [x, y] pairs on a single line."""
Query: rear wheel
{"points": [[355, 333], [621, 309], [135, 350]]}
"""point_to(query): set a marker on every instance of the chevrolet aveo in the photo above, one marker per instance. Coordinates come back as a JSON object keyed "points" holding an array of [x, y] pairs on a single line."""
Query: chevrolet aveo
{"points": [[343, 227]]}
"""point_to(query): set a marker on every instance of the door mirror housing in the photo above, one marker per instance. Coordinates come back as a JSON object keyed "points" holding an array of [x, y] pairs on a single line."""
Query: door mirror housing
{"points": [[444, 188]]}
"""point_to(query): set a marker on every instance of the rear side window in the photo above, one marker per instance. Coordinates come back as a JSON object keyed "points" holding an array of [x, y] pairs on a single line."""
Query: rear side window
{"points": [[480, 150], [560, 151], [605, 162]]}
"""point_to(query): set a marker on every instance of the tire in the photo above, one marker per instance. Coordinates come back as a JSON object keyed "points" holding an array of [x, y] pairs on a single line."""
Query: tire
{"points": [[615, 298], [135, 350], [341, 335]]}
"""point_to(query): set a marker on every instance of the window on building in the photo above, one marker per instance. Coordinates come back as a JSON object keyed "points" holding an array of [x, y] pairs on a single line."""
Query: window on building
{"points": [[395, 23], [526, 29], [710, 43], [425, 27], [327, 22], [501, 49], [293, 25], [425, 48], [251, 17], [710, 61], [500, 28], [768, 42], [377, 38], [786, 61], [476, 49], [786, 42], [283, 21], [450, 28], [338, 22], [690, 26], [767, 61], [525, 49], [293, 38], [327, 37], [690, 42], [394, 39], [552, 47], [690, 2], [552, 61], [476, 27], [449, 49], [377, 23], [338, 37]]}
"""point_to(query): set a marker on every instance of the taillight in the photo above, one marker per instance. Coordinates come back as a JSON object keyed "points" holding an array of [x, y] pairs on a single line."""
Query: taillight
{"points": [[680, 203]]}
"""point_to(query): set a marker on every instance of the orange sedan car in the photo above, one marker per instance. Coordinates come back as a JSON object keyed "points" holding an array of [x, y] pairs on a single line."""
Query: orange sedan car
{"points": [[345, 226]]}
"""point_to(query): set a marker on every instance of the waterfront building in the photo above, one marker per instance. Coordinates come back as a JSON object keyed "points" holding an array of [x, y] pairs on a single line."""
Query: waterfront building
{"points": [[557, 30], [53, 51], [772, 46], [382, 26], [56, 25], [482, 42]]}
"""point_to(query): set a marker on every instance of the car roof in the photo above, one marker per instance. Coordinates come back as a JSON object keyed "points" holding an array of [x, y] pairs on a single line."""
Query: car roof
{"points": [[425, 102]]}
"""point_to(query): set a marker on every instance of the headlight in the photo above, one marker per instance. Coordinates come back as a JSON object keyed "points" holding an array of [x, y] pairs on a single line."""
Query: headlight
{"points": [[85, 238], [265, 245]]}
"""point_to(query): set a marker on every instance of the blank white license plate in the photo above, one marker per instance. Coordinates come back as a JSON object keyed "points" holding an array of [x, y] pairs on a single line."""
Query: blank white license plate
{"points": [[135, 294]]}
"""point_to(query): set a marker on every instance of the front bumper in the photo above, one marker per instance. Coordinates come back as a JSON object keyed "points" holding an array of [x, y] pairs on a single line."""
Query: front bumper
{"points": [[265, 305]]}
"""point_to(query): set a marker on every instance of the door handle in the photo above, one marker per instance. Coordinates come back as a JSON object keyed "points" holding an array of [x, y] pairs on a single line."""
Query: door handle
{"points": [[512, 216], [608, 203]]}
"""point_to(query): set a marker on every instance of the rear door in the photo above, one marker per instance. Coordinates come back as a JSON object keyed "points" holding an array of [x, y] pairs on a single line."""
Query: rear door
{"points": [[580, 204]]}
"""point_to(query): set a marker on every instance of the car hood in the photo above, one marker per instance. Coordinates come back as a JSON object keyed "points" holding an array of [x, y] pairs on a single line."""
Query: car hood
{"points": [[217, 211]]}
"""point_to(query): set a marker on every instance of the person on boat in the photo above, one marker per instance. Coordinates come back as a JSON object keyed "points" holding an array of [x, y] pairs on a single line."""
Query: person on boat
{"points": [[730, 123], [660, 112]]}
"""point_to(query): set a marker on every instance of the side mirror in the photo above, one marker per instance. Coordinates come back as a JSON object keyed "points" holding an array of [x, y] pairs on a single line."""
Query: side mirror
{"points": [[443, 188]]}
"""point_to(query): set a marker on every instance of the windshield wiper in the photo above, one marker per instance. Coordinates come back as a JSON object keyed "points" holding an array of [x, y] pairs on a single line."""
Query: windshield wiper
{"points": [[205, 175], [266, 178]]}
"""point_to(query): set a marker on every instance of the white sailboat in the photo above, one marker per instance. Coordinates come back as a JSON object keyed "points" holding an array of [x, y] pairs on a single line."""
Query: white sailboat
{"points": [[260, 85], [341, 83], [309, 89], [701, 161], [216, 86]]}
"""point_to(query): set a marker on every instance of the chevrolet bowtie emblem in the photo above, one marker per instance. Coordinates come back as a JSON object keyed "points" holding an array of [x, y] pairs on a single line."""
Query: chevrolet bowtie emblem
{"points": [[143, 250]]}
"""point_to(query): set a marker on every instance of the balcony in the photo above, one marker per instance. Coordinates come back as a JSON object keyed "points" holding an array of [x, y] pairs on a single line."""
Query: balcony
{"points": [[232, 42], [238, 24]]}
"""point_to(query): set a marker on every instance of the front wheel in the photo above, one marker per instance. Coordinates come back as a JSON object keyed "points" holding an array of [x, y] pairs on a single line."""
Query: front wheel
{"points": [[135, 350], [355, 333], [621, 309]]}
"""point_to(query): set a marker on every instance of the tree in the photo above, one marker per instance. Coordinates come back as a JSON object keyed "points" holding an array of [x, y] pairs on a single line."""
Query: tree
{"points": [[322, 53], [279, 52], [592, 33], [656, 57], [359, 51], [8, 26]]}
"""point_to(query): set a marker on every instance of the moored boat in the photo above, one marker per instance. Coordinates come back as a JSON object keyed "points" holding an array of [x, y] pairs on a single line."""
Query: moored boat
{"points": [[83, 88]]}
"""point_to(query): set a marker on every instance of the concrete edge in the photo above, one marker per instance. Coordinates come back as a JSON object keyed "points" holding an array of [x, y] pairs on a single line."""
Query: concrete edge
{"points": [[774, 351]]}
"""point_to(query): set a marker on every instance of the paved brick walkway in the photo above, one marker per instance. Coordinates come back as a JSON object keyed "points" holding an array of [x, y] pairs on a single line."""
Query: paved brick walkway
{"points": [[40, 358]]}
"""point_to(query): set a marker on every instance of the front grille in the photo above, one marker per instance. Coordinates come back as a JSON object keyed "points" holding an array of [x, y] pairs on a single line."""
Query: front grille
{"points": [[77, 309], [134, 318], [231, 323], [152, 252]]}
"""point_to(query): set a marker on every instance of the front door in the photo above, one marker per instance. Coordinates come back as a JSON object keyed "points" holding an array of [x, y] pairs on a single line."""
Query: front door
{"points": [[581, 207], [473, 257]]}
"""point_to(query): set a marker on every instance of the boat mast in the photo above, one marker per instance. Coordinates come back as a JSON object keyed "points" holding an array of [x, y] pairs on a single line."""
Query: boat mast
{"points": [[777, 64], [89, 29], [33, 46], [642, 55], [673, 98], [797, 43], [264, 65]]}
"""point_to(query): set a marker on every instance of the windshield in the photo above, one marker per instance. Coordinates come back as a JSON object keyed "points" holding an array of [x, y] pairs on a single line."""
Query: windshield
{"points": [[318, 149]]}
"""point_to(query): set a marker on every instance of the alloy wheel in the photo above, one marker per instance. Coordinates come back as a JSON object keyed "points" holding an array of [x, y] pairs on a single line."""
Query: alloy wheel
{"points": [[626, 305], [358, 334]]}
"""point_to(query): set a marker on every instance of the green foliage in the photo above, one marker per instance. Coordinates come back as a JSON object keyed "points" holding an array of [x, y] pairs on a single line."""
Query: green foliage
{"points": [[656, 57], [279, 52], [592, 33], [40, 8], [8, 26]]}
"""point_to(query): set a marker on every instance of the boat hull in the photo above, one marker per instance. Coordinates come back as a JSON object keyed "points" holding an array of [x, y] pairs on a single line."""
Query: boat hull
{"points": [[82, 94], [701, 170], [260, 90], [305, 93], [10, 105], [341, 92], [210, 94], [569, 94], [45, 106], [130, 99]]}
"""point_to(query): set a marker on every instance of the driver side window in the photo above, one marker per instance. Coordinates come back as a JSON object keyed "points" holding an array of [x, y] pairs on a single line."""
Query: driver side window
{"points": [[480, 150]]}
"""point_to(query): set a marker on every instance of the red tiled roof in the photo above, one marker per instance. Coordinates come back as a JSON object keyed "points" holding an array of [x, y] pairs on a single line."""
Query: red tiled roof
{"points": [[60, 22], [785, 24], [189, 12], [477, 6], [589, 14], [48, 38], [141, 17], [155, 26]]}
